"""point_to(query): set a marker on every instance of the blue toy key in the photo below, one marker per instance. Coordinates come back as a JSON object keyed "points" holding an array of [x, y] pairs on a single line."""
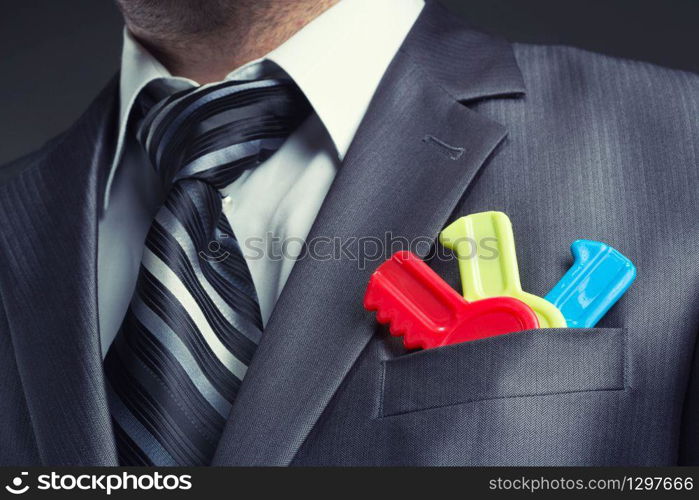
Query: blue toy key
{"points": [[598, 278]]}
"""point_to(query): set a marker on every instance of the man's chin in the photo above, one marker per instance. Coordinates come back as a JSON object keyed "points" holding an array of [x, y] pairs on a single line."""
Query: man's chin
{"points": [[176, 18]]}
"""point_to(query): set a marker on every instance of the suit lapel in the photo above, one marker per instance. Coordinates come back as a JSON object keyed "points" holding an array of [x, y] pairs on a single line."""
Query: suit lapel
{"points": [[48, 245], [415, 154]]}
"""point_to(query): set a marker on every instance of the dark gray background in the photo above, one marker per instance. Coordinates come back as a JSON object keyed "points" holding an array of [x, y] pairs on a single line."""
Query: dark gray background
{"points": [[56, 54]]}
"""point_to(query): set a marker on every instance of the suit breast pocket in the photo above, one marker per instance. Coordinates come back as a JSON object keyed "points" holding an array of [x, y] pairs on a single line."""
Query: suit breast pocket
{"points": [[529, 363]]}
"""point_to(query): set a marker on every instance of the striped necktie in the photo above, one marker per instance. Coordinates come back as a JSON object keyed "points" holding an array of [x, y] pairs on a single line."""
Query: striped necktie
{"points": [[193, 324]]}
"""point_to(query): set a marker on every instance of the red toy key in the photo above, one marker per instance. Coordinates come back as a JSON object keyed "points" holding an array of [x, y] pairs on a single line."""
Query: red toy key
{"points": [[427, 312]]}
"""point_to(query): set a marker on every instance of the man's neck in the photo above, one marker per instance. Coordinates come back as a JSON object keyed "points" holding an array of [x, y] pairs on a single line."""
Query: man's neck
{"points": [[252, 29]]}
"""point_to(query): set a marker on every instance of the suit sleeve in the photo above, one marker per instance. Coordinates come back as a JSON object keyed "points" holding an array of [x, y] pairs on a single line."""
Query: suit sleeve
{"points": [[17, 441], [689, 437]]}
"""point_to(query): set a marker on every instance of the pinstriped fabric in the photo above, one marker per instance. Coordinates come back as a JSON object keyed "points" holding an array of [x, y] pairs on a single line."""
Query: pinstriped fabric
{"points": [[193, 325]]}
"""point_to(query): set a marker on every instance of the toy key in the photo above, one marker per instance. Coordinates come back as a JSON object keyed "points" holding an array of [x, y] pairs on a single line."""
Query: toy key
{"points": [[420, 306], [485, 247], [598, 278]]}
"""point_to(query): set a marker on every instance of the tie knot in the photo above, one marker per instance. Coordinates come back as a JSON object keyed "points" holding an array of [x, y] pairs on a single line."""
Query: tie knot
{"points": [[216, 132]]}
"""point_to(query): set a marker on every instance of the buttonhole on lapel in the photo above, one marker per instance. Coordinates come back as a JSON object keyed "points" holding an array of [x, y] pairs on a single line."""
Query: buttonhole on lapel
{"points": [[451, 152]]}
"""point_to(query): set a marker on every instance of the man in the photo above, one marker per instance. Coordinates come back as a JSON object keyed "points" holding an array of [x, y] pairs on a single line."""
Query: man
{"points": [[138, 326]]}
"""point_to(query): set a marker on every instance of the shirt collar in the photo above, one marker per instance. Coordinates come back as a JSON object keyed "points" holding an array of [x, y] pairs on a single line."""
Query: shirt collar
{"points": [[337, 60]]}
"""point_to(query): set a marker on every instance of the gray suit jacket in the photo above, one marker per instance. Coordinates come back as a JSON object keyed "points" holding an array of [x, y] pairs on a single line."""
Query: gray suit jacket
{"points": [[569, 144]]}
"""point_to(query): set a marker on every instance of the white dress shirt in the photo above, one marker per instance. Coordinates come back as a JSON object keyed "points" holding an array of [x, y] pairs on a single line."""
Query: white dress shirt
{"points": [[337, 61]]}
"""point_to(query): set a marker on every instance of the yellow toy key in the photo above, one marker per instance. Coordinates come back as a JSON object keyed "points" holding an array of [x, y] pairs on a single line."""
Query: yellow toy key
{"points": [[485, 247]]}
